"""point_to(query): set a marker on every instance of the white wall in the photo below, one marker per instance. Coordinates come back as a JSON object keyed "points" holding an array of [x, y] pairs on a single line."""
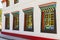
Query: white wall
{"points": [[37, 17]]}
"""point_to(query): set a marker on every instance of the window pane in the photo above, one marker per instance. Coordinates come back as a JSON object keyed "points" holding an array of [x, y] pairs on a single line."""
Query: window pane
{"points": [[48, 20], [28, 26], [16, 21], [7, 21]]}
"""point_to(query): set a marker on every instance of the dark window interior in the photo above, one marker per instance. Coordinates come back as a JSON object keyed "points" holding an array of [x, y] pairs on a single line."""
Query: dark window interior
{"points": [[16, 1], [7, 21]]}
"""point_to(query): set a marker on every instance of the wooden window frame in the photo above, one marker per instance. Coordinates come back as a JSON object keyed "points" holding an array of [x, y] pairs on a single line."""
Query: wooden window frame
{"points": [[25, 28], [15, 13], [42, 19]]}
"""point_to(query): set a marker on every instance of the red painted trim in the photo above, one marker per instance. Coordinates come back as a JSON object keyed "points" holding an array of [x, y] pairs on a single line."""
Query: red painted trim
{"points": [[25, 21], [42, 21], [26, 36]]}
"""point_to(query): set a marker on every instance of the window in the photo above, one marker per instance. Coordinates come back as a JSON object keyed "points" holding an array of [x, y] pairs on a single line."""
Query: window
{"points": [[7, 3], [48, 19], [16, 21], [16, 1], [7, 21], [28, 20]]}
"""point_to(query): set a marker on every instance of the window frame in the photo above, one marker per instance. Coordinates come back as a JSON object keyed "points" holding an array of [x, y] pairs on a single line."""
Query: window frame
{"points": [[25, 28], [15, 13], [42, 19]]}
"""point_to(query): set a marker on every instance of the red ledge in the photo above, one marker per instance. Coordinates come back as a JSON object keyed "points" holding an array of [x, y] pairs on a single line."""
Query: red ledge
{"points": [[26, 36]]}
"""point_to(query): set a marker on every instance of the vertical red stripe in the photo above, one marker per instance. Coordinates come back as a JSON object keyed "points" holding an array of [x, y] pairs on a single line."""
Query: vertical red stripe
{"points": [[25, 21], [42, 21]]}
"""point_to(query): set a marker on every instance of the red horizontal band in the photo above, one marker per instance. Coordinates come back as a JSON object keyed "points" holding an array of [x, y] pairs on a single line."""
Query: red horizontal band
{"points": [[26, 36]]}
